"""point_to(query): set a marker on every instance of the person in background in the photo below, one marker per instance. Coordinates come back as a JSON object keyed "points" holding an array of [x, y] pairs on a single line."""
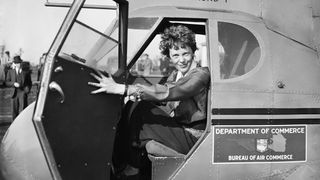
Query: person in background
{"points": [[41, 66], [147, 64], [6, 58], [2, 75], [165, 67], [20, 83], [4, 66], [178, 124]]}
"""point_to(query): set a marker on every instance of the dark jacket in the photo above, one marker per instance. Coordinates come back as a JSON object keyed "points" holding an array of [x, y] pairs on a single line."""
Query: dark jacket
{"points": [[187, 96], [23, 78]]}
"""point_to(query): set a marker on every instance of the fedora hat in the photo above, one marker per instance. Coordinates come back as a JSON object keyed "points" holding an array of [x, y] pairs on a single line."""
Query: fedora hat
{"points": [[17, 59]]}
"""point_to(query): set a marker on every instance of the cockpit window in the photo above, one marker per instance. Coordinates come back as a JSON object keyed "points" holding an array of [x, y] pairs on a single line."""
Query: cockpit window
{"points": [[151, 63], [95, 44], [83, 44], [91, 42], [239, 50]]}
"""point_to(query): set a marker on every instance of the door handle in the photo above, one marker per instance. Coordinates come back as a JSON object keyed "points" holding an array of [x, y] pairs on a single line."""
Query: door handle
{"points": [[58, 69], [53, 86]]}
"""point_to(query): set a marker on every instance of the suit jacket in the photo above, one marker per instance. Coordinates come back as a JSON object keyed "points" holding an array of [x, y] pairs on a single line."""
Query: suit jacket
{"points": [[190, 93], [23, 78]]}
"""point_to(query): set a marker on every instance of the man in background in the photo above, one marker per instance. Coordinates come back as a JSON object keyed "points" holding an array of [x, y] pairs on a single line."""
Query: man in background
{"points": [[146, 63], [6, 58], [20, 83], [4, 61]]}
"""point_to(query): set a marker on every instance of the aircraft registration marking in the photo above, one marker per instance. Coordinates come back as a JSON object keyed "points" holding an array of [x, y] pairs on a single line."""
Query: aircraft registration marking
{"points": [[254, 143]]}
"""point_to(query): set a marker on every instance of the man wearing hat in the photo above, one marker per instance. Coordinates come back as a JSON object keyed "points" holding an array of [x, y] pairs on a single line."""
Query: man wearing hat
{"points": [[20, 83]]}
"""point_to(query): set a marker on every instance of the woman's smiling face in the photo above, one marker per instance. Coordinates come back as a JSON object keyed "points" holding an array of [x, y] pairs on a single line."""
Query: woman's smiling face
{"points": [[182, 58]]}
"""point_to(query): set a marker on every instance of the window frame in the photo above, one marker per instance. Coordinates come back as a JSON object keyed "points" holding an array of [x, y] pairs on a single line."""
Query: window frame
{"points": [[246, 25], [155, 31]]}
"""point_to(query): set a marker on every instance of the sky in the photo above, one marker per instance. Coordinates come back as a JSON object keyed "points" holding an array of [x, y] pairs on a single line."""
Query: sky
{"points": [[28, 27]]}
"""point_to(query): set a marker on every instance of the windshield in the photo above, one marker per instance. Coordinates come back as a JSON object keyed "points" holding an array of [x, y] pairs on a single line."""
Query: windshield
{"points": [[96, 44]]}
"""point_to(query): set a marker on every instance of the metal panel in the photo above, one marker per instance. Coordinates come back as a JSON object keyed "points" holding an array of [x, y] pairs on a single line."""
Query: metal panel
{"points": [[308, 170], [20, 149], [296, 74], [246, 6], [163, 167], [316, 29], [254, 88], [199, 165], [292, 18], [315, 8]]}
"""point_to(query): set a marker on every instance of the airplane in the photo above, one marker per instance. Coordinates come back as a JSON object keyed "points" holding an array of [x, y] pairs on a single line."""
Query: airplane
{"points": [[263, 106]]}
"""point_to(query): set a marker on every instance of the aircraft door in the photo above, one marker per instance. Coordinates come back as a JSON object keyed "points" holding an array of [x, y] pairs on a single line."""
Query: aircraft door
{"points": [[79, 126], [76, 129]]}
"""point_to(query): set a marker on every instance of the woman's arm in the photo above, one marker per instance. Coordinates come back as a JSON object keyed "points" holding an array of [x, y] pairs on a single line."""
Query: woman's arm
{"points": [[186, 87]]}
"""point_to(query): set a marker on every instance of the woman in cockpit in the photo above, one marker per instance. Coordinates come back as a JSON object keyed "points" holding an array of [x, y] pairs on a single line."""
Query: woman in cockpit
{"points": [[175, 122]]}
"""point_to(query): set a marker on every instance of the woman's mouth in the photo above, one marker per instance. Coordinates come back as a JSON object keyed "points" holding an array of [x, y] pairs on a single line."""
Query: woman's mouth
{"points": [[183, 65]]}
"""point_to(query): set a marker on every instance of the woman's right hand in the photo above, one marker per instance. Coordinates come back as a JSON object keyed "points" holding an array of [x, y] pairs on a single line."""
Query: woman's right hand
{"points": [[106, 84]]}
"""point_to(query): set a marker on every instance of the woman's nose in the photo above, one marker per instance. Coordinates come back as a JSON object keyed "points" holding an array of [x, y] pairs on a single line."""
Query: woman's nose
{"points": [[181, 59]]}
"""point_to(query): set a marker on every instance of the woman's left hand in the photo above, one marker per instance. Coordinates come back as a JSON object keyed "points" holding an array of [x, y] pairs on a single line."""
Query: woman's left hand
{"points": [[106, 84]]}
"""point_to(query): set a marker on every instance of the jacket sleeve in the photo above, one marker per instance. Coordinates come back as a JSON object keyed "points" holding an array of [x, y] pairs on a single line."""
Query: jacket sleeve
{"points": [[9, 79], [27, 82], [186, 87]]}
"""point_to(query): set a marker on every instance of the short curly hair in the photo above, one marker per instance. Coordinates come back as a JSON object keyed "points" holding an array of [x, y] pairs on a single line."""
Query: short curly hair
{"points": [[176, 36]]}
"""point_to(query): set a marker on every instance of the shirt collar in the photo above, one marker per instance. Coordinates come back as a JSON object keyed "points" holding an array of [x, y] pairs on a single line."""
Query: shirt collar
{"points": [[180, 75], [18, 70]]}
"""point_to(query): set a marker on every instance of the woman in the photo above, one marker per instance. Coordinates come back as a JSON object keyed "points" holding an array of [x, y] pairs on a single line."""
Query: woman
{"points": [[185, 94]]}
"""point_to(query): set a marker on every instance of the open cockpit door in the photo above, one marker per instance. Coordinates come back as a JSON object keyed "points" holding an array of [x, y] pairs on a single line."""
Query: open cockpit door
{"points": [[76, 129]]}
